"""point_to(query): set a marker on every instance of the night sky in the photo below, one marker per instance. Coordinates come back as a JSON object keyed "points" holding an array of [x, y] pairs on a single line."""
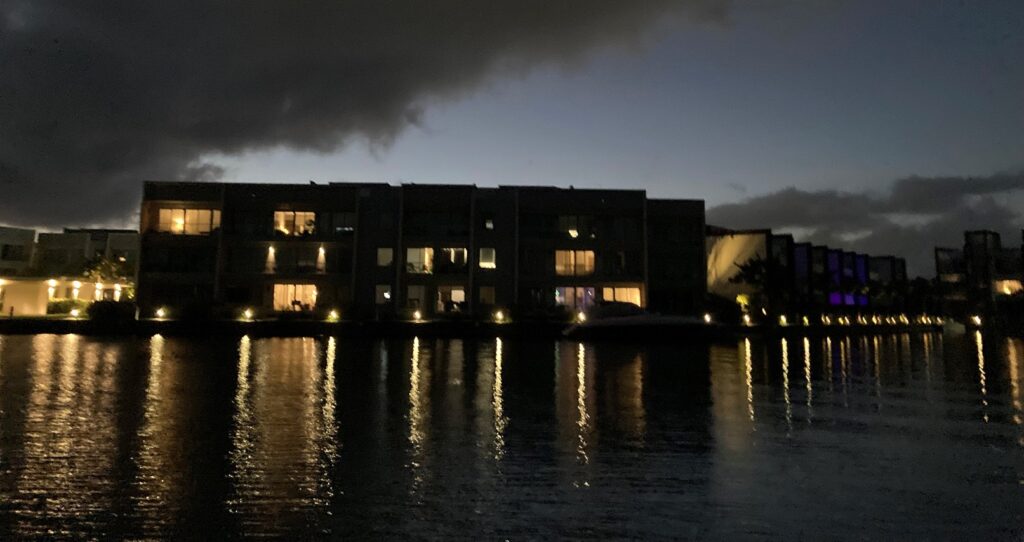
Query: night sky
{"points": [[882, 126]]}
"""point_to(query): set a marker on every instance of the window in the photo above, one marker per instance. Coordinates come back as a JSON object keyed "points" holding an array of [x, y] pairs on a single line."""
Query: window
{"points": [[385, 256], [622, 295], [574, 298], [188, 221], [294, 222], [574, 262], [16, 253], [383, 294], [487, 295], [451, 298], [419, 260], [576, 226], [294, 297], [415, 297], [338, 223], [453, 260], [488, 223], [487, 258]]}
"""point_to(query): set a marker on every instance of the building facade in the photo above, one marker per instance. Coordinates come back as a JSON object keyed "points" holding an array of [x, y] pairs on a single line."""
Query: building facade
{"points": [[71, 251], [974, 278], [776, 275], [379, 251], [16, 247]]}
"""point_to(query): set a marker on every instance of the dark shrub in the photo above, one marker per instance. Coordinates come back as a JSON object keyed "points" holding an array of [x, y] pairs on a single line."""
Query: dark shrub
{"points": [[112, 311]]}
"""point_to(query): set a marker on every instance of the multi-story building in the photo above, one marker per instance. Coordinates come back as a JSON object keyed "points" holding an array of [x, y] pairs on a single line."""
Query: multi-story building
{"points": [[973, 278], [16, 246], [772, 272], [376, 250], [69, 252]]}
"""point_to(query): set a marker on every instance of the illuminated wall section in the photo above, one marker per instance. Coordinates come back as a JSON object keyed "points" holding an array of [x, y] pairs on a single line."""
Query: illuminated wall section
{"points": [[724, 252]]}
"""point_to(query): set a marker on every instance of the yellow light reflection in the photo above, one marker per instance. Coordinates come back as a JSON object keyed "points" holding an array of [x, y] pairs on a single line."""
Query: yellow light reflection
{"points": [[980, 346], [748, 369], [583, 418], [1013, 363], [498, 402], [416, 391], [829, 364], [284, 439], [875, 350], [69, 437], [807, 377], [785, 384]]}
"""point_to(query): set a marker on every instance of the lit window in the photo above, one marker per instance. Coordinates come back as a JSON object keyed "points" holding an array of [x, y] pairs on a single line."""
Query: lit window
{"points": [[188, 221], [295, 222], [385, 256], [622, 295], [451, 298], [575, 298], [574, 262], [489, 224], [455, 257], [487, 258], [419, 260], [383, 294], [294, 297]]}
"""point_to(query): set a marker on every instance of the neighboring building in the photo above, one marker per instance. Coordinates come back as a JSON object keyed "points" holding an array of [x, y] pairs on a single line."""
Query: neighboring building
{"points": [[69, 252], [772, 272], [373, 250], [973, 278], [16, 246], [27, 296]]}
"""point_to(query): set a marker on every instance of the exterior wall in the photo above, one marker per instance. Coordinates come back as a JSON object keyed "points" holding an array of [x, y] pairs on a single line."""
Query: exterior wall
{"points": [[724, 255], [30, 296], [16, 247], [25, 298], [229, 265], [69, 252], [607, 223], [61, 253], [676, 259]]}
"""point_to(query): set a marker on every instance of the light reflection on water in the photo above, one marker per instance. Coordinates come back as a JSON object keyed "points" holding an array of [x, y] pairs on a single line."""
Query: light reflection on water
{"points": [[838, 437]]}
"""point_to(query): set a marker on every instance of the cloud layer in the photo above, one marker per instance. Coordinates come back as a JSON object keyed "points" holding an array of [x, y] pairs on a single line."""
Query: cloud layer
{"points": [[95, 96], [915, 215]]}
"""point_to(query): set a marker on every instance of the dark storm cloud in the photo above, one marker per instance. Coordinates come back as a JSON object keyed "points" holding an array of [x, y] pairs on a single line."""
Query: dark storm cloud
{"points": [[915, 215], [95, 96]]}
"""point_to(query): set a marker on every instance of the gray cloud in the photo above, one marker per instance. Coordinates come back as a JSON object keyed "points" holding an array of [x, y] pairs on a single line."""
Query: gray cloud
{"points": [[914, 216], [97, 95]]}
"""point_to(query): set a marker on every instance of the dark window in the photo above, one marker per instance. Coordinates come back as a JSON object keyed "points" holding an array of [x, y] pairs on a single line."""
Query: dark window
{"points": [[14, 253], [338, 223]]}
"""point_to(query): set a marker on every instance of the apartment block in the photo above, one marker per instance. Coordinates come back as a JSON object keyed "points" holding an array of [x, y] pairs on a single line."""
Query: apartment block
{"points": [[383, 251], [70, 251], [774, 273], [971, 279]]}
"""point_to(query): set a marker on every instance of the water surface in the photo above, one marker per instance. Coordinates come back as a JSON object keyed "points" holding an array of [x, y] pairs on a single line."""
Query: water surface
{"points": [[844, 437]]}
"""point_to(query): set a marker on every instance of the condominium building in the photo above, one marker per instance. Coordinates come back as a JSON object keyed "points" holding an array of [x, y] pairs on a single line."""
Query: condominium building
{"points": [[971, 279], [377, 250], [71, 251], [774, 273]]}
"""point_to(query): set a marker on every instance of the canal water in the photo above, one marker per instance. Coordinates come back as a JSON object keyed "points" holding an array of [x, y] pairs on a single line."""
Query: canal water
{"points": [[910, 436]]}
